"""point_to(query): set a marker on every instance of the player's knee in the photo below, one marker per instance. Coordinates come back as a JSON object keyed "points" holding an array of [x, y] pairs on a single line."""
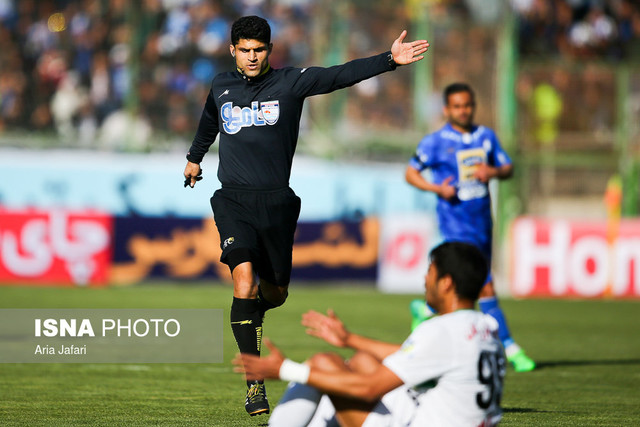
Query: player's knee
{"points": [[326, 361], [244, 285], [245, 289], [275, 295], [280, 296], [363, 362]]}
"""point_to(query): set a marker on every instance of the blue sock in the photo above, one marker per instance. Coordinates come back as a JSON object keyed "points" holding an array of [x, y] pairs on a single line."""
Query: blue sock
{"points": [[490, 306]]}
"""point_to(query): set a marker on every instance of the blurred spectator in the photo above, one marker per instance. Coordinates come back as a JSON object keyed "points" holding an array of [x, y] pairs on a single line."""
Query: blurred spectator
{"points": [[66, 103], [547, 99], [124, 131], [582, 29]]}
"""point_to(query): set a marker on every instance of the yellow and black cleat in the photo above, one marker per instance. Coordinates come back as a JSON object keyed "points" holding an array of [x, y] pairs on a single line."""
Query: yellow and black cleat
{"points": [[256, 402]]}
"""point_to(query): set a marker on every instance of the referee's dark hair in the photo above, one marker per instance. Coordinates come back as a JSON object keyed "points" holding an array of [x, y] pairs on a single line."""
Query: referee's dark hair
{"points": [[251, 28], [457, 88], [466, 265]]}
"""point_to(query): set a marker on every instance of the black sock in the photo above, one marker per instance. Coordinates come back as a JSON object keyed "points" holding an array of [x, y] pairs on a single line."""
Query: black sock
{"points": [[246, 324]]}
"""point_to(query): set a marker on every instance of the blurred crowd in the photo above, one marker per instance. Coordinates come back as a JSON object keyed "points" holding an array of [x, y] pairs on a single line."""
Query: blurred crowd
{"points": [[582, 29], [111, 73], [121, 74]]}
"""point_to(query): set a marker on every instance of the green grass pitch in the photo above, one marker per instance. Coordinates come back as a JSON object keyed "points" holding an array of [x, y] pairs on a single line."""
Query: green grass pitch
{"points": [[588, 354]]}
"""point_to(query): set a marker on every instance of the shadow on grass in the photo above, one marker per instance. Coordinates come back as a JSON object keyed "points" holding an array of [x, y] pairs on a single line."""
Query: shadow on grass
{"points": [[522, 410], [556, 363]]}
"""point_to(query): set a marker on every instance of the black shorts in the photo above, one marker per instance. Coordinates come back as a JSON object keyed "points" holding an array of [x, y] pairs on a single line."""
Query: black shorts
{"points": [[257, 226]]}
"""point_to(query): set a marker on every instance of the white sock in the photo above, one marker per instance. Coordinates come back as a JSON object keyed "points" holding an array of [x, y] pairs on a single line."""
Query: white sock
{"points": [[512, 349], [297, 406]]}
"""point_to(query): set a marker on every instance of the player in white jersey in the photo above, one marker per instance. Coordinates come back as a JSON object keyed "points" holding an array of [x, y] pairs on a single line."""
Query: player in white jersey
{"points": [[448, 372]]}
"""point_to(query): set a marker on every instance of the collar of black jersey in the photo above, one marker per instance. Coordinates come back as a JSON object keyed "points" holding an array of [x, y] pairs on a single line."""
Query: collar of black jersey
{"points": [[257, 78]]}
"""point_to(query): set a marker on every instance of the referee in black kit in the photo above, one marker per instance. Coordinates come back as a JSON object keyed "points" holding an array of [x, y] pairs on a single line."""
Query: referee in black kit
{"points": [[256, 110]]}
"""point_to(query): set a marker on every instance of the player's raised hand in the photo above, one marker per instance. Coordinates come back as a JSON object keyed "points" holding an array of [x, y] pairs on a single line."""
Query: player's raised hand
{"points": [[327, 327], [406, 53], [258, 368]]}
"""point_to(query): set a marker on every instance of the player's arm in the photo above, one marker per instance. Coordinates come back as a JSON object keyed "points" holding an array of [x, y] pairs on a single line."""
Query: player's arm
{"points": [[415, 178], [205, 136], [331, 329], [485, 172], [504, 171], [378, 349], [498, 165], [368, 387]]}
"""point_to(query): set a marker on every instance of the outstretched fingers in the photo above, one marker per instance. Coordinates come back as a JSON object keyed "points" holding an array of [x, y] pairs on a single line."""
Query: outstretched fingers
{"points": [[326, 327], [419, 46]]}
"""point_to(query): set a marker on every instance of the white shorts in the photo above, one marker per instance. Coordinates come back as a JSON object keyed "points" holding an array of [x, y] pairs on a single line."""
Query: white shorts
{"points": [[397, 408], [325, 415]]}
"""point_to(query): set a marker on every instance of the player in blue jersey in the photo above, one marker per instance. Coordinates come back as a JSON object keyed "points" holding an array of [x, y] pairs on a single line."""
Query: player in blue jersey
{"points": [[462, 158]]}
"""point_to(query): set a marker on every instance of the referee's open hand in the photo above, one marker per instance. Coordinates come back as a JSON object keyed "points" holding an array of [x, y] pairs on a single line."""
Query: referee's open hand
{"points": [[192, 174], [409, 52]]}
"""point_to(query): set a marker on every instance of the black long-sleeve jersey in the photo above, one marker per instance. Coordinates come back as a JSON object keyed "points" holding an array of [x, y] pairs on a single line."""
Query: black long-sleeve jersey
{"points": [[258, 119]]}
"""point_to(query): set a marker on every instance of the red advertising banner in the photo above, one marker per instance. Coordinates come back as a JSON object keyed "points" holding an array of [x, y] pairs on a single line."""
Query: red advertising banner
{"points": [[55, 247], [579, 259]]}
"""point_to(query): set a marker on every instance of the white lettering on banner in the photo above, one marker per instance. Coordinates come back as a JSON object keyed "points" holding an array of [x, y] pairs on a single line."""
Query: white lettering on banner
{"points": [[589, 251], [627, 254], [35, 258], [87, 239], [530, 254], [574, 259], [75, 241]]}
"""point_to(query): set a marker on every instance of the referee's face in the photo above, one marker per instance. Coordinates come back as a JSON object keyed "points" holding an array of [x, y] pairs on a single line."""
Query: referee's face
{"points": [[459, 110], [252, 56]]}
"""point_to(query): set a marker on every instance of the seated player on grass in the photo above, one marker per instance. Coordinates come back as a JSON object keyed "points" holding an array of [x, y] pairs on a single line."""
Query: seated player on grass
{"points": [[449, 371]]}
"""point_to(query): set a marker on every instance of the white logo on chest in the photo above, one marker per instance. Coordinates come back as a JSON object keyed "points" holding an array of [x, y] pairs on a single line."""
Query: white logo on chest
{"points": [[259, 114]]}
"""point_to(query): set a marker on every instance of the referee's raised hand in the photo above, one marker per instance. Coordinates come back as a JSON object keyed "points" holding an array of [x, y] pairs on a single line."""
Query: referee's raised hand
{"points": [[407, 53], [192, 174]]}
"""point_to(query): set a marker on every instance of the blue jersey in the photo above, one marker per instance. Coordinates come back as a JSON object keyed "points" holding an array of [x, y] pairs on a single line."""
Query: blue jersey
{"points": [[449, 153]]}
